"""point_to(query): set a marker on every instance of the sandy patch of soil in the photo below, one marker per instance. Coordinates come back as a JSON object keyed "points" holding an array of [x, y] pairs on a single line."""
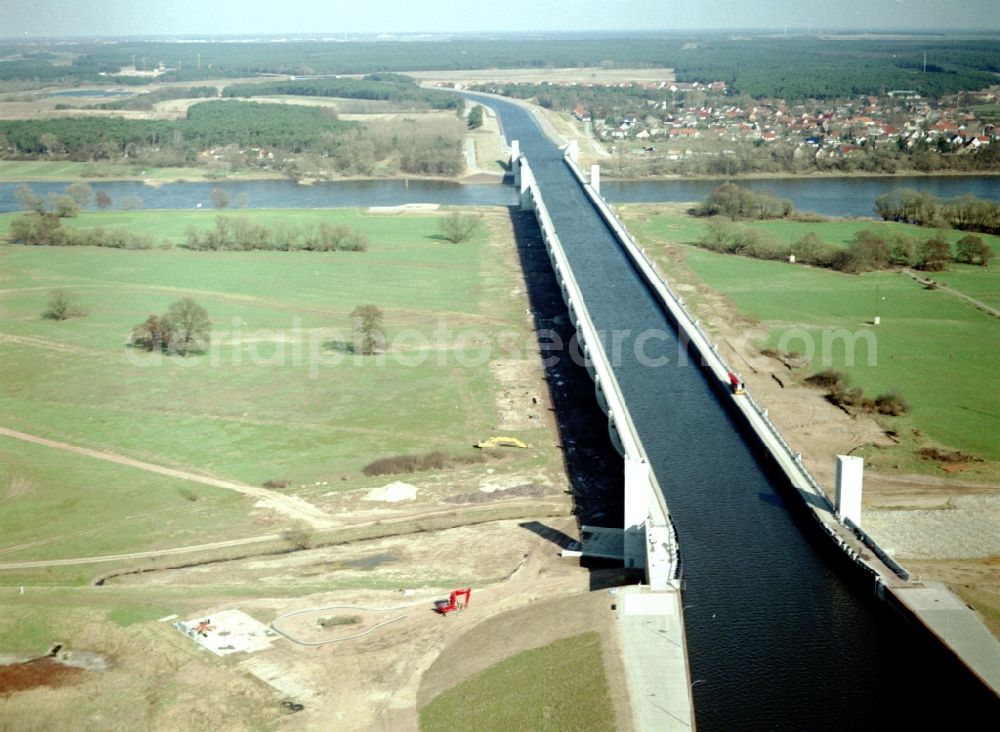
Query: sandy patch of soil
{"points": [[520, 398]]}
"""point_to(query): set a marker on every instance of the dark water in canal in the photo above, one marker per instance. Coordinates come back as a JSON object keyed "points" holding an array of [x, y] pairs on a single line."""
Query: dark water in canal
{"points": [[781, 635]]}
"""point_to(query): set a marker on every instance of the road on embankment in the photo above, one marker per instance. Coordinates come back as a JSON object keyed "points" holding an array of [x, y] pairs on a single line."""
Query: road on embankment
{"points": [[780, 635]]}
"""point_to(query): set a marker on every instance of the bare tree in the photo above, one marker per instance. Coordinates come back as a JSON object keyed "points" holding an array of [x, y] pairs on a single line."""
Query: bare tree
{"points": [[367, 325], [220, 199], [29, 200], [80, 192], [64, 207], [299, 538], [973, 250], [153, 334], [935, 253], [55, 204], [103, 200], [131, 202], [458, 226], [63, 306], [190, 325]]}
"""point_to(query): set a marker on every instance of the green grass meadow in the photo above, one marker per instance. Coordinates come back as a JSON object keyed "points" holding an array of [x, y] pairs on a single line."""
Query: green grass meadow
{"points": [[561, 686], [670, 223], [940, 353], [15, 171], [270, 400]]}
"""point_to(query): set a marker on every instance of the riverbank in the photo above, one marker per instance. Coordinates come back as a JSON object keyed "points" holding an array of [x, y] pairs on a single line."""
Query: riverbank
{"points": [[608, 172], [34, 171]]}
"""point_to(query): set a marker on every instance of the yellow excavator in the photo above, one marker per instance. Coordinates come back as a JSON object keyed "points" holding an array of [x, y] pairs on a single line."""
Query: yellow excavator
{"points": [[501, 442]]}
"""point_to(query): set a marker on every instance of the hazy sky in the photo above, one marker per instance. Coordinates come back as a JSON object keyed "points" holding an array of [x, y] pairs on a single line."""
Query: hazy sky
{"points": [[213, 17]]}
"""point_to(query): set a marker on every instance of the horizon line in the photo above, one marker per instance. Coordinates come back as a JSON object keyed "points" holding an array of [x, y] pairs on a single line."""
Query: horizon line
{"points": [[771, 31]]}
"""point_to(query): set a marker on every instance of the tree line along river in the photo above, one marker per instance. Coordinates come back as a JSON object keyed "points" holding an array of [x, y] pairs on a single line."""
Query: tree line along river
{"points": [[838, 197]]}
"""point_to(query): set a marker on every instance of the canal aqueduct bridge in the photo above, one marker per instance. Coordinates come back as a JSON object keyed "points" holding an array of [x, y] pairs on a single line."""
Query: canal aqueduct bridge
{"points": [[648, 539]]}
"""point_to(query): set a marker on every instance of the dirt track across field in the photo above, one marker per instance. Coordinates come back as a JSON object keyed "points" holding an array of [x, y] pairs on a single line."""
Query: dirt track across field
{"points": [[291, 506], [36, 564]]}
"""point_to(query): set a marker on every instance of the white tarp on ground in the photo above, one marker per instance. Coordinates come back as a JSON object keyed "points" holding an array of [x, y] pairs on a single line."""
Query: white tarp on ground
{"points": [[228, 631], [393, 493]]}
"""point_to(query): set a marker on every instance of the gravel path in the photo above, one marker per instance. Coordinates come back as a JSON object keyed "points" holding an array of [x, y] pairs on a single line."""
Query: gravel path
{"points": [[969, 529]]}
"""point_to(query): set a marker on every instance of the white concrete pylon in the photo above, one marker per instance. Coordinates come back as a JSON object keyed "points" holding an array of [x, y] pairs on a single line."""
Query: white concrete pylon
{"points": [[637, 488], [595, 178], [515, 161], [850, 474], [573, 150], [525, 183]]}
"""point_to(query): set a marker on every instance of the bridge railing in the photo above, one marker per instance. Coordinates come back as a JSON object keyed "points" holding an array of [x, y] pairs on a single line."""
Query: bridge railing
{"points": [[619, 416]]}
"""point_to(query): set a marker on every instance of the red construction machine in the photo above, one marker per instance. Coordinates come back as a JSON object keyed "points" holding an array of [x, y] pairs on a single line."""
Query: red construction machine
{"points": [[457, 600]]}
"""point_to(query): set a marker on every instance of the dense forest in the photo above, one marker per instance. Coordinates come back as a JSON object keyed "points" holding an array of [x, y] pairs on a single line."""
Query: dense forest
{"points": [[208, 124], [394, 88], [297, 140], [791, 68], [802, 69]]}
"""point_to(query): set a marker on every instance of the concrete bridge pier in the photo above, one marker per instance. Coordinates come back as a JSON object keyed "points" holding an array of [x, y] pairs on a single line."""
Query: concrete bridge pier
{"points": [[595, 178], [527, 180], [573, 150], [637, 487], [515, 161]]}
